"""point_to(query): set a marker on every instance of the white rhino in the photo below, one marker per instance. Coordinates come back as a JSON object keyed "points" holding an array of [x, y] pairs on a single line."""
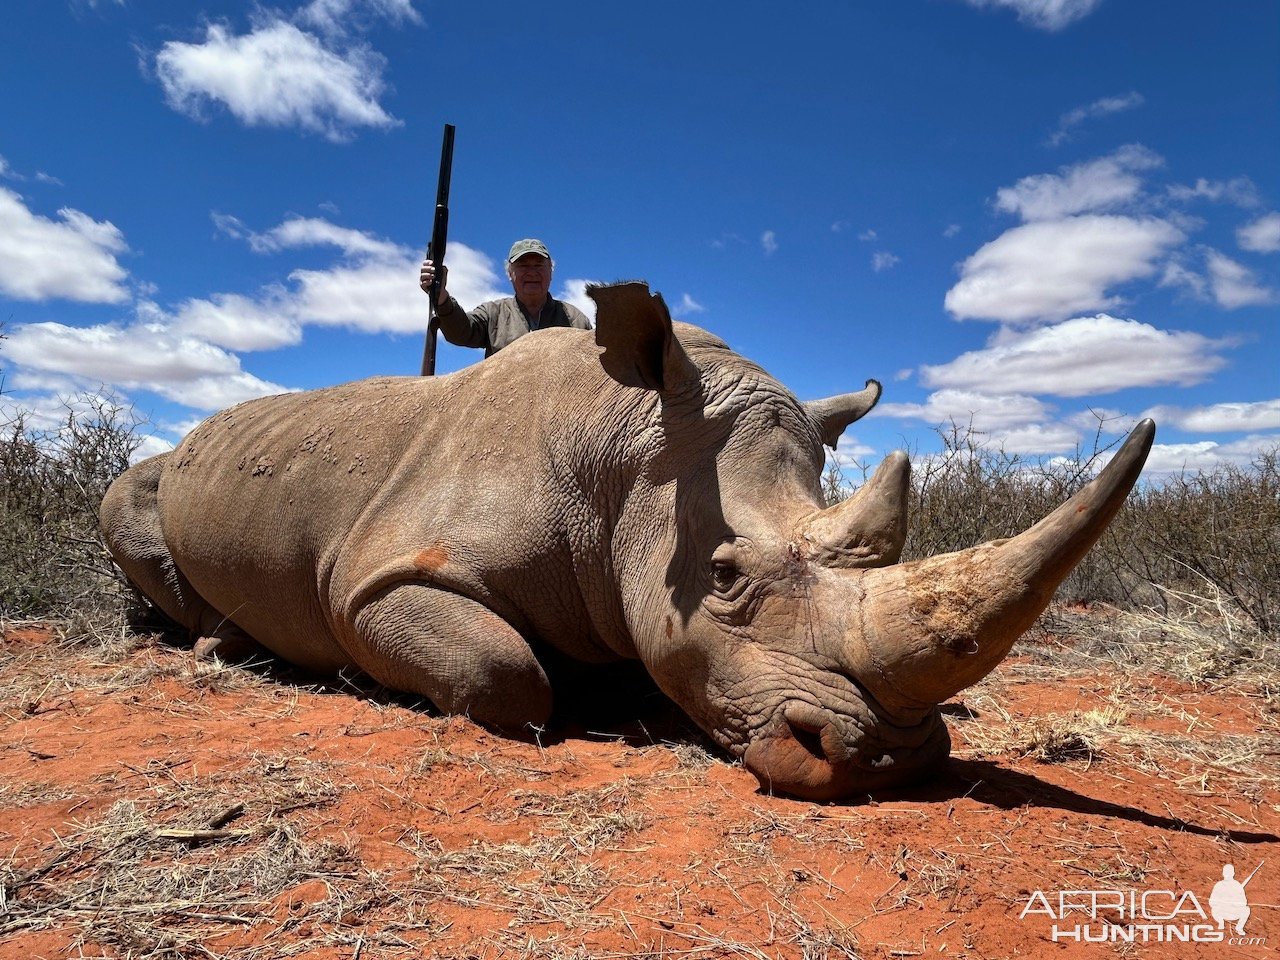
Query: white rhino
{"points": [[658, 499]]}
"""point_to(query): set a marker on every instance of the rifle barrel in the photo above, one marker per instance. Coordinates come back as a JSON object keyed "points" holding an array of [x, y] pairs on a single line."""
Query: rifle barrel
{"points": [[436, 250]]}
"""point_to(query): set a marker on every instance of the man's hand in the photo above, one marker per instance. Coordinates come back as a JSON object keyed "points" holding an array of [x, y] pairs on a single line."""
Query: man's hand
{"points": [[428, 274]]}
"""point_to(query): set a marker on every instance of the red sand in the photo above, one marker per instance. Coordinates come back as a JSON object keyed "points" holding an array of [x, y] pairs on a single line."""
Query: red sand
{"points": [[585, 846]]}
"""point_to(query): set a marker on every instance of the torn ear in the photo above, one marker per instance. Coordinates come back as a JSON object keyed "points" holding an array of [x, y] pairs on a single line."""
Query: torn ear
{"points": [[634, 328]]}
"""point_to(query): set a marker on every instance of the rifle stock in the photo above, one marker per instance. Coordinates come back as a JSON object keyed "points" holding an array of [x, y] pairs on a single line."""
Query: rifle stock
{"points": [[436, 250]]}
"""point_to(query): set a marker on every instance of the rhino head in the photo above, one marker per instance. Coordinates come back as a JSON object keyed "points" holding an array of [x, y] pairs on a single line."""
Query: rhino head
{"points": [[789, 630]]}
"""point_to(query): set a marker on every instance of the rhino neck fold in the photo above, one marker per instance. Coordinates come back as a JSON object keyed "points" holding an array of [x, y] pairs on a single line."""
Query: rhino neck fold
{"points": [[600, 443]]}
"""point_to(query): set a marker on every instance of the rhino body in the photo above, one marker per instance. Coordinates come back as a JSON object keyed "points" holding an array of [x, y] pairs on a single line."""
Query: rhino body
{"points": [[658, 500]]}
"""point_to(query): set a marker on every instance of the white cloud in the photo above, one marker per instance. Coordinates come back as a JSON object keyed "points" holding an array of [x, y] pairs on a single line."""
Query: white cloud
{"points": [[866, 236], [1225, 282], [850, 453], [72, 258], [372, 290], [1099, 108], [277, 76], [1262, 235], [23, 380], [1101, 184], [769, 242], [951, 230], [373, 297], [473, 278], [575, 292], [1234, 285], [1220, 417], [687, 305], [1081, 357], [48, 412], [240, 323], [1207, 455], [144, 356], [218, 392], [1048, 270], [379, 294], [840, 226], [39, 413], [1177, 274], [150, 446], [1242, 192], [337, 16], [1108, 420], [1037, 438], [297, 232], [184, 353], [726, 239], [883, 260], [1044, 14], [984, 411], [1016, 422]]}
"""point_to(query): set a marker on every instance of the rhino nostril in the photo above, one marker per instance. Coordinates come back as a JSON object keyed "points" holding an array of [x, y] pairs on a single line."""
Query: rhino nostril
{"points": [[800, 755], [809, 737]]}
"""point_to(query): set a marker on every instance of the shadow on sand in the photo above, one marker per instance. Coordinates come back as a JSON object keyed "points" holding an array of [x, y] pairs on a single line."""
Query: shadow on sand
{"points": [[1008, 789]]}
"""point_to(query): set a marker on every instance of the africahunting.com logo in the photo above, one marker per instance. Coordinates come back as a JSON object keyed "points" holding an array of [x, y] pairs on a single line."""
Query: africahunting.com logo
{"points": [[1148, 916]]}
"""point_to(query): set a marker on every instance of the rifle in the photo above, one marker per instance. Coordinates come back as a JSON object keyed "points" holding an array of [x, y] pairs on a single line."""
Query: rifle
{"points": [[435, 252]]}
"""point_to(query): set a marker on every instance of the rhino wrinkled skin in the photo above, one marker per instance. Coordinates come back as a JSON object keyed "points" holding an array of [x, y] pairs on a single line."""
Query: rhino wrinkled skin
{"points": [[658, 499]]}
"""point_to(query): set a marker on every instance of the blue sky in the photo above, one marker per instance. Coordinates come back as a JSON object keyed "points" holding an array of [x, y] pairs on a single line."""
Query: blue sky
{"points": [[1022, 214]]}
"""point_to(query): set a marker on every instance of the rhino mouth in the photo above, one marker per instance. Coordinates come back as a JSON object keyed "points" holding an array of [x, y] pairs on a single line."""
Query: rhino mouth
{"points": [[812, 753]]}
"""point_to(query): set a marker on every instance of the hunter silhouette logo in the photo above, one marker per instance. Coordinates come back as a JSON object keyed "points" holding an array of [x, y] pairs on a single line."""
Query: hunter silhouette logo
{"points": [[1149, 916], [1228, 900]]}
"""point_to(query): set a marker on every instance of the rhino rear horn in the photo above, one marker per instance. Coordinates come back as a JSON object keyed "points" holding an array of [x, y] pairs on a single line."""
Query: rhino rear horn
{"points": [[634, 328], [833, 414], [868, 529]]}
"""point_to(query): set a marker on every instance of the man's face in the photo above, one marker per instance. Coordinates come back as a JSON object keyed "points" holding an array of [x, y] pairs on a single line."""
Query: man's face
{"points": [[530, 275]]}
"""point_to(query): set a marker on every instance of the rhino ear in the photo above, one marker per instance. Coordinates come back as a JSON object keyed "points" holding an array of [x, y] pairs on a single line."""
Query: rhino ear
{"points": [[833, 414], [634, 328]]}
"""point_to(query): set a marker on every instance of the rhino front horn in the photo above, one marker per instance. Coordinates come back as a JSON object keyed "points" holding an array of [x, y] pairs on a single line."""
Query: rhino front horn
{"points": [[935, 626]]}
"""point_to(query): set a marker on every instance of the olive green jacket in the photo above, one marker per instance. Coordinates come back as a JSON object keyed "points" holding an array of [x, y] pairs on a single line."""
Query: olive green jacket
{"points": [[495, 324]]}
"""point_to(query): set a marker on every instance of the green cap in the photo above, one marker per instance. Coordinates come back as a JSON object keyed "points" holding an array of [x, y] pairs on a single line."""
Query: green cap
{"points": [[521, 247]]}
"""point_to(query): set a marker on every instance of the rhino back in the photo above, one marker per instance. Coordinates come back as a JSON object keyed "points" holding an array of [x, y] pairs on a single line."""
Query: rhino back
{"points": [[289, 512]]}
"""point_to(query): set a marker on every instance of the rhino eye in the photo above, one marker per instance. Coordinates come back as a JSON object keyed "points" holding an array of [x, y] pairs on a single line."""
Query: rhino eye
{"points": [[724, 575]]}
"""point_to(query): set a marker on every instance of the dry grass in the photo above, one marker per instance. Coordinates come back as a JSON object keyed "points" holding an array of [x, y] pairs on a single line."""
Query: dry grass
{"points": [[1244, 765], [556, 876], [1047, 739], [132, 882]]}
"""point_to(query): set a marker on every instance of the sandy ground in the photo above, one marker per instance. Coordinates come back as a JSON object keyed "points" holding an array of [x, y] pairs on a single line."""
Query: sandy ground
{"points": [[153, 806]]}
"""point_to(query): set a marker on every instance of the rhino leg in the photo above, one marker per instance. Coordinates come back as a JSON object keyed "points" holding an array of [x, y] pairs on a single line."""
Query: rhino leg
{"points": [[459, 654], [130, 521]]}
